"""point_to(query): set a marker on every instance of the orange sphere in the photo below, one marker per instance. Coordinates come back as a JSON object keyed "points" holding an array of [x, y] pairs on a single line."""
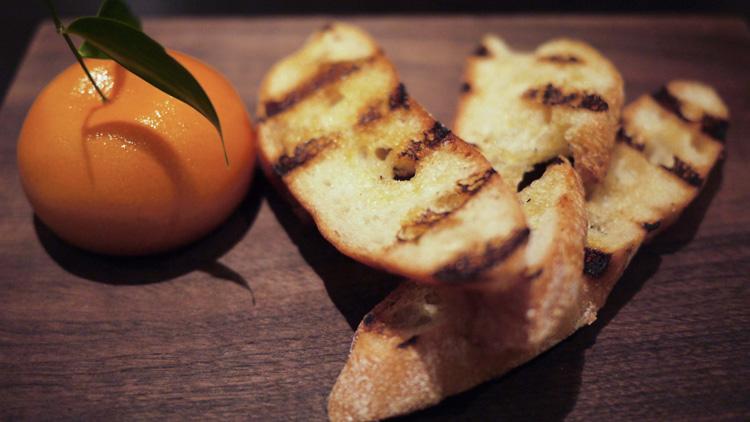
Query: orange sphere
{"points": [[142, 173]]}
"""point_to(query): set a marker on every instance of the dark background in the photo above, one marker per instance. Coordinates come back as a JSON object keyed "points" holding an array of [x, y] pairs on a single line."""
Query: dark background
{"points": [[19, 18]]}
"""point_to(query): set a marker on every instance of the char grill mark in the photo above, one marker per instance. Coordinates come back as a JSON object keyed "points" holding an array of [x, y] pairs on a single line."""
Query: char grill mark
{"points": [[410, 342], [399, 98], [413, 152], [465, 188], [533, 276], [649, 227], [435, 135], [372, 322], [595, 262], [668, 101], [562, 59], [537, 172], [466, 267], [474, 185], [715, 127], [371, 115], [553, 96], [685, 172], [628, 140], [431, 138], [465, 87], [369, 319], [712, 126], [593, 102], [415, 230], [302, 154], [482, 51], [327, 76]]}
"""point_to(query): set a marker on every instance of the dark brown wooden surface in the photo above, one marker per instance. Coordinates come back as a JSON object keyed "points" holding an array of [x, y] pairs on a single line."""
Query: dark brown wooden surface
{"points": [[255, 321]]}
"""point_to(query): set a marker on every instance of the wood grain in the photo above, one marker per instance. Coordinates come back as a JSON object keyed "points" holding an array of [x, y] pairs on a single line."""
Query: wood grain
{"points": [[254, 322]]}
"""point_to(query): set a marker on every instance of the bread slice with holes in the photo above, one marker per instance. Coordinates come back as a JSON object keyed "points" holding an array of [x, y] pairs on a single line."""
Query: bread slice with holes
{"points": [[384, 181], [522, 109], [424, 343], [668, 144]]}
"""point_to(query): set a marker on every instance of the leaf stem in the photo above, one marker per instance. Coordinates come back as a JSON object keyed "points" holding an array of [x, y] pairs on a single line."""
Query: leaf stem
{"points": [[60, 29]]}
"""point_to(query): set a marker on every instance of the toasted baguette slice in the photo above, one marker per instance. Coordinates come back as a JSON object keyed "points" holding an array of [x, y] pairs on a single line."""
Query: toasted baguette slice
{"points": [[697, 105], [668, 144], [384, 182], [424, 343], [523, 109]]}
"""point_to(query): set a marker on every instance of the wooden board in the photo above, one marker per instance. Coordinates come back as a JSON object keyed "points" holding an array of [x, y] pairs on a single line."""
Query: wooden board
{"points": [[255, 321]]}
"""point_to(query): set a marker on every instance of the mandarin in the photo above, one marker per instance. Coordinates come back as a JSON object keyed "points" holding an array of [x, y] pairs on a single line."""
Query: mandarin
{"points": [[142, 173]]}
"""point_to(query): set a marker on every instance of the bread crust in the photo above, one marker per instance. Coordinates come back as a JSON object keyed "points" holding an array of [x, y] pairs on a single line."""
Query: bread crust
{"points": [[385, 182]]}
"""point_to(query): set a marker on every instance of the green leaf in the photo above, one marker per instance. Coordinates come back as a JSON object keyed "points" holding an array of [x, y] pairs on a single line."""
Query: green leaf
{"points": [[147, 59], [119, 11], [113, 9]]}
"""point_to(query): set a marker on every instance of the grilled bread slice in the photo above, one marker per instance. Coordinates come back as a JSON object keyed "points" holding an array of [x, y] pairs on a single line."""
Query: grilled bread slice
{"points": [[384, 182], [668, 144], [424, 343], [523, 109]]}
